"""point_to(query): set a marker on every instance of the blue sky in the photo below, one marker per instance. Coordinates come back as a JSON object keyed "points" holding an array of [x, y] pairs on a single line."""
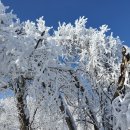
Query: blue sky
{"points": [[115, 13]]}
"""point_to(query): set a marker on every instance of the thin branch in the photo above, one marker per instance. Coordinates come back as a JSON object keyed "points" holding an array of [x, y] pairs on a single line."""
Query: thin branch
{"points": [[40, 40]]}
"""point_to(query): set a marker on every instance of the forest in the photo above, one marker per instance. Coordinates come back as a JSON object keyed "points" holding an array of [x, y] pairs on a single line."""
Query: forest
{"points": [[75, 78]]}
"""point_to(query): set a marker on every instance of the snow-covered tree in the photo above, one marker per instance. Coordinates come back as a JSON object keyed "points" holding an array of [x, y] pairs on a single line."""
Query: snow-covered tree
{"points": [[68, 80]]}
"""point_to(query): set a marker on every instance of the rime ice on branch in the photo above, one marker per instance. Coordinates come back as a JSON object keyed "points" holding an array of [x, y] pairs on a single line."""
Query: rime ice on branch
{"points": [[62, 81]]}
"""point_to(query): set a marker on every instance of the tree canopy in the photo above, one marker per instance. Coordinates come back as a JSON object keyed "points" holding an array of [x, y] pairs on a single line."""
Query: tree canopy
{"points": [[61, 80]]}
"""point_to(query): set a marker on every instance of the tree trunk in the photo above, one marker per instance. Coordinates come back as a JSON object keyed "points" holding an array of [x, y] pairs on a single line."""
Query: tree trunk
{"points": [[69, 119], [123, 67], [23, 113]]}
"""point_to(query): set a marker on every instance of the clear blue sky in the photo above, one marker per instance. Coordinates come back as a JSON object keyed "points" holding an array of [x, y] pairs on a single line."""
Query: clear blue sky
{"points": [[115, 13]]}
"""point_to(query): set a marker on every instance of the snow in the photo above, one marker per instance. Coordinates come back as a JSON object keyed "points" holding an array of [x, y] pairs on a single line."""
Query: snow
{"points": [[72, 74]]}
